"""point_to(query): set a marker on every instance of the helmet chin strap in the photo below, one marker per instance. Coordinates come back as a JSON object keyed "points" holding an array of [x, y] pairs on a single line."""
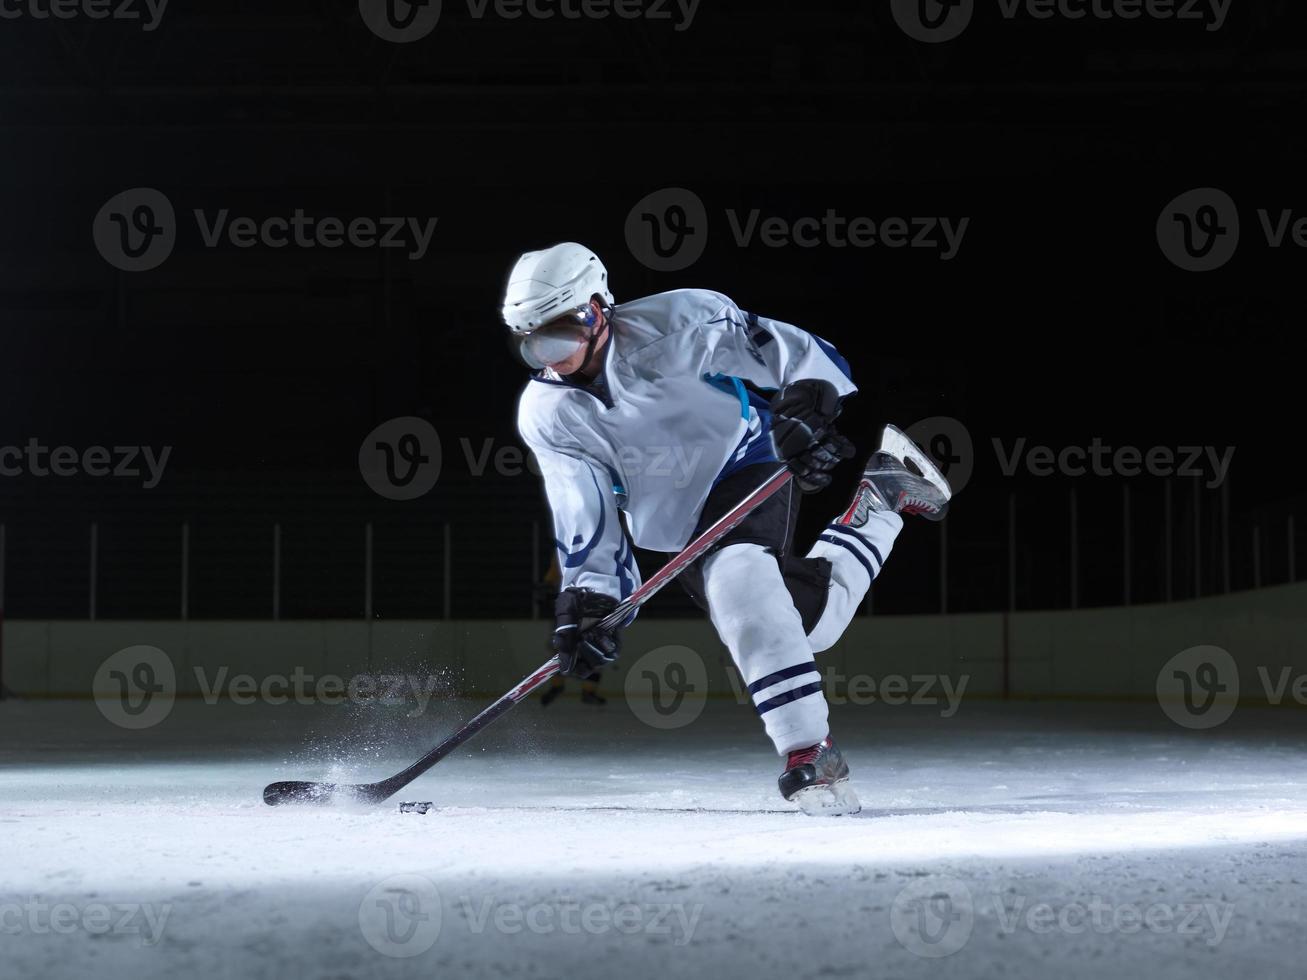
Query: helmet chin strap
{"points": [[590, 349]]}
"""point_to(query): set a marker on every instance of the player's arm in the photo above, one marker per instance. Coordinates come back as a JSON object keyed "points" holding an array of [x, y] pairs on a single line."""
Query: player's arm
{"points": [[810, 377], [597, 563], [772, 353]]}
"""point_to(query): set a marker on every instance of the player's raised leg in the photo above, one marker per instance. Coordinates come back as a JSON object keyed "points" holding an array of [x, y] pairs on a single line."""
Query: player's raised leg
{"points": [[898, 479]]}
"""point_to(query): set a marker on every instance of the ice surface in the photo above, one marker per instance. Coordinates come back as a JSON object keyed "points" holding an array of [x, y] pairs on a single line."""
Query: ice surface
{"points": [[576, 842]]}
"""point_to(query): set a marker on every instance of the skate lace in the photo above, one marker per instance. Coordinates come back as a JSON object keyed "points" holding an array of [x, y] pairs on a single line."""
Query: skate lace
{"points": [[804, 756]]}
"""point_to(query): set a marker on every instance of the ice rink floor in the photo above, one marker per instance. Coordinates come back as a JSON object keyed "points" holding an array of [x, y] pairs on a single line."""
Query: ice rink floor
{"points": [[1011, 840]]}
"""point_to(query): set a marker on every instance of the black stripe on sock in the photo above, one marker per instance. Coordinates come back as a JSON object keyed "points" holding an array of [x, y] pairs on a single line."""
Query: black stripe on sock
{"points": [[853, 551], [788, 696], [861, 540], [783, 674]]}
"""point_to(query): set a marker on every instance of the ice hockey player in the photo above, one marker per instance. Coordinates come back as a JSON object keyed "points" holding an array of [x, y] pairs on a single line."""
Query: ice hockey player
{"points": [[671, 409]]}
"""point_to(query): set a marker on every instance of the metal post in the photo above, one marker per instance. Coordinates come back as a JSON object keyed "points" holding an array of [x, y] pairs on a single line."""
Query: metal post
{"points": [[943, 566], [448, 572], [1012, 552], [1125, 543], [1075, 553], [95, 561], [367, 571], [1257, 556], [1198, 542], [276, 571], [1225, 535], [535, 568], [1293, 560], [1166, 537], [186, 569]]}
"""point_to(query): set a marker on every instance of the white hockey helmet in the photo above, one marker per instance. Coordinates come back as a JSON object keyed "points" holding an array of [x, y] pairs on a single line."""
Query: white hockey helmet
{"points": [[551, 283]]}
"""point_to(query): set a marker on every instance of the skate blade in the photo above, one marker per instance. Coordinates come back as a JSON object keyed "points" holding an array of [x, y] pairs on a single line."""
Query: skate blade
{"points": [[896, 442], [835, 800]]}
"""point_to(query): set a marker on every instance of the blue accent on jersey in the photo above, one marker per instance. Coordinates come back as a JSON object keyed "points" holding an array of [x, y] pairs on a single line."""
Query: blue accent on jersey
{"points": [[732, 386], [836, 357], [574, 559]]}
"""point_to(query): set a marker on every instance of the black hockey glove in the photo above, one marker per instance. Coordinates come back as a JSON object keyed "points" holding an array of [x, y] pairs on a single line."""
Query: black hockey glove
{"points": [[803, 432], [581, 646]]}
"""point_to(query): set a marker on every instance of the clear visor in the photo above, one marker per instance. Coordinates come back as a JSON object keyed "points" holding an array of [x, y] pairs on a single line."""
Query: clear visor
{"points": [[554, 343]]}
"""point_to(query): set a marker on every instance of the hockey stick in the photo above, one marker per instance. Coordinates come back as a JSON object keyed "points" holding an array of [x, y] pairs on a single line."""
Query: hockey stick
{"points": [[306, 792]]}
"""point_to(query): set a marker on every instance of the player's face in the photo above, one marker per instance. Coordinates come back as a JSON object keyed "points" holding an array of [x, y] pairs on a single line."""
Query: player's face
{"points": [[561, 344]]}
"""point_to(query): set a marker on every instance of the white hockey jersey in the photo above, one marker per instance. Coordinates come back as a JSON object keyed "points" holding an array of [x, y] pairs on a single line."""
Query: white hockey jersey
{"points": [[681, 403]]}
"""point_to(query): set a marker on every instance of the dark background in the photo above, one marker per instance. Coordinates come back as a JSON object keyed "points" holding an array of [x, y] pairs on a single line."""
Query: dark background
{"points": [[1060, 320]]}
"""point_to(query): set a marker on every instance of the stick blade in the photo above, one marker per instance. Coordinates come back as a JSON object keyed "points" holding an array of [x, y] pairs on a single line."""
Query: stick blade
{"points": [[294, 792]]}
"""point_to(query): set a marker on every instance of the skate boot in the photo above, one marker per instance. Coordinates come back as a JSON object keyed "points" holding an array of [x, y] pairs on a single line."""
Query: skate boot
{"points": [[817, 778], [901, 478]]}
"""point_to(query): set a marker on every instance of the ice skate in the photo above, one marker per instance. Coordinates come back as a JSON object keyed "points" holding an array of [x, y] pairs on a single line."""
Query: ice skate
{"points": [[817, 778], [901, 478]]}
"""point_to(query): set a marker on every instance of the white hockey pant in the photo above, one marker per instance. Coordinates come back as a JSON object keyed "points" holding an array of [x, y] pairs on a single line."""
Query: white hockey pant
{"points": [[756, 620]]}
